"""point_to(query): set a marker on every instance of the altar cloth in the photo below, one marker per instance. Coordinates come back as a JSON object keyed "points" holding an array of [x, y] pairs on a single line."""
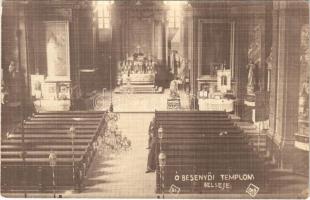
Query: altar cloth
{"points": [[216, 105]]}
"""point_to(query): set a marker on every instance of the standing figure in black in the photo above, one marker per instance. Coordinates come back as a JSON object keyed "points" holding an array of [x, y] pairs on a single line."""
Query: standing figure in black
{"points": [[151, 132], [151, 160]]}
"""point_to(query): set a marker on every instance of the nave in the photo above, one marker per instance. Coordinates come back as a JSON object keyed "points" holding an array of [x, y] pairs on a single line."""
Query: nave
{"points": [[120, 175]]}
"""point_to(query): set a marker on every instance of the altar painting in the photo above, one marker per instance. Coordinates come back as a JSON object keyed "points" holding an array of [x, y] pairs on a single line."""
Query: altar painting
{"points": [[216, 46], [57, 49]]}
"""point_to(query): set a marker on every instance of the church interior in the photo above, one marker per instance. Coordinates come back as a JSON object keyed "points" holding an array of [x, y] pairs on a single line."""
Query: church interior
{"points": [[155, 99]]}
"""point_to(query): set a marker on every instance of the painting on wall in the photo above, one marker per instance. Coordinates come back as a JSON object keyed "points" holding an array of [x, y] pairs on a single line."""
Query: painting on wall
{"points": [[57, 49], [224, 80], [216, 46], [216, 43], [64, 91], [140, 41]]}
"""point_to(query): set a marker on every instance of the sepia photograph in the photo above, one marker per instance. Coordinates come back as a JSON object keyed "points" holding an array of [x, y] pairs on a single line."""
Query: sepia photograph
{"points": [[153, 99]]}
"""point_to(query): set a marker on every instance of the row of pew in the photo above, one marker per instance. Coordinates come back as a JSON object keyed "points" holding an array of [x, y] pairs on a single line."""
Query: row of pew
{"points": [[205, 150], [25, 153]]}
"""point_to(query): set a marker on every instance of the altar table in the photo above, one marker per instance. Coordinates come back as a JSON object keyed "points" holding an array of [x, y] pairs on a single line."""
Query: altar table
{"points": [[216, 105]]}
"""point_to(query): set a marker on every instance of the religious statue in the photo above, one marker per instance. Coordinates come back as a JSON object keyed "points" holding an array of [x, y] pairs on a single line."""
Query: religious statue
{"points": [[182, 72], [269, 60], [269, 68], [12, 70], [174, 92], [175, 62], [304, 100], [251, 82], [4, 95]]}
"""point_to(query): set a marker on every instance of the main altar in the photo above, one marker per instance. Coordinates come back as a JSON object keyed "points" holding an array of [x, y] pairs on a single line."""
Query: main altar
{"points": [[136, 74]]}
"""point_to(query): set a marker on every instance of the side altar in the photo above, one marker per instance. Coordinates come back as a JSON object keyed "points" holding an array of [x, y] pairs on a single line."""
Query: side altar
{"points": [[136, 74], [217, 92]]}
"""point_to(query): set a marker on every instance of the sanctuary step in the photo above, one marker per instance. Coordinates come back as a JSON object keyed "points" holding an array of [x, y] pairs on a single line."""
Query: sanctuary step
{"points": [[42, 134], [205, 153], [138, 89]]}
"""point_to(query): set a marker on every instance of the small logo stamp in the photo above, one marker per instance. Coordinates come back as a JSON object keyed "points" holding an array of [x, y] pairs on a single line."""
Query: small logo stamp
{"points": [[174, 189], [252, 190]]}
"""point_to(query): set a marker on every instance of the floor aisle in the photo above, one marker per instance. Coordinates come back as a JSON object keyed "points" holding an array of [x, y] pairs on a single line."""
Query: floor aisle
{"points": [[123, 175]]}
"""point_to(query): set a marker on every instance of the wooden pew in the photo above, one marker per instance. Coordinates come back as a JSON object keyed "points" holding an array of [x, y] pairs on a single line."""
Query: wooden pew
{"points": [[59, 127], [67, 116], [199, 130], [204, 142], [76, 113], [203, 147], [54, 147], [44, 132], [48, 142], [42, 154], [43, 151], [50, 136], [74, 123], [53, 131], [46, 119]]}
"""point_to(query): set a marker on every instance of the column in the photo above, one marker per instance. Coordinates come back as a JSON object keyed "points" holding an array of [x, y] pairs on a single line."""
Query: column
{"points": [[285, 80], [273, 74], [241, 60]]}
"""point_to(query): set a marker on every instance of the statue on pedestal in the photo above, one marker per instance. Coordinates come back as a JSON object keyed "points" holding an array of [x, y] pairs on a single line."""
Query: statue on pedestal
{"points": [[251, 82], [304, 100], [174, 101], [269, 68], [174, 92]]}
